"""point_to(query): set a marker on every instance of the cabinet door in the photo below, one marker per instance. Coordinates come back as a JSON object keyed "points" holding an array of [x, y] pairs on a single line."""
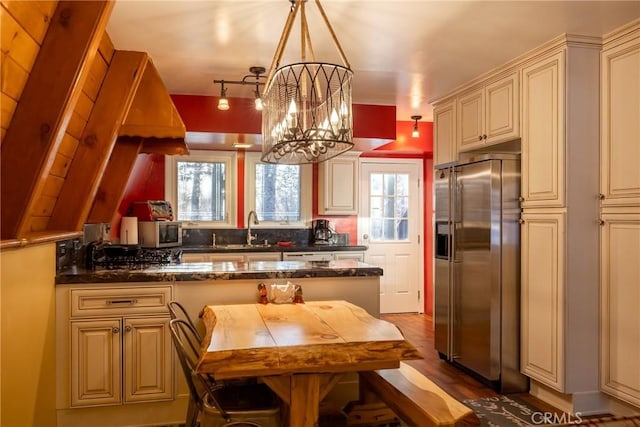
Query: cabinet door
{"points": [[444, 131], [543, 247], [96, 370], [620, 299], [620, 147], [227, 257], [543, 143], [471, 120], [148, 372], [502, 120], [338, 185], [263, 256]]}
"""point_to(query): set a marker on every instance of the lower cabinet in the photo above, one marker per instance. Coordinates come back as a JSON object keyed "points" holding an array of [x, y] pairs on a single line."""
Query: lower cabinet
{"points": [[620, 301], [120, 360], [543, 248], [113, 346]]}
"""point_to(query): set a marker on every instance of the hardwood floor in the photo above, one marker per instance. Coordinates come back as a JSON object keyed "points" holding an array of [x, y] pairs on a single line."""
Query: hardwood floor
{"points": [[418, 329]]}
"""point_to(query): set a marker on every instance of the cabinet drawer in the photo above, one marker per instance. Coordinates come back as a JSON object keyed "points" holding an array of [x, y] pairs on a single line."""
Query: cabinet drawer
{"points": [[119, 301]]}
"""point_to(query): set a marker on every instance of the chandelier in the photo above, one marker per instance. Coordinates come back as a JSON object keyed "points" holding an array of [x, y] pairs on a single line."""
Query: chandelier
{"points": [[307, 115]]}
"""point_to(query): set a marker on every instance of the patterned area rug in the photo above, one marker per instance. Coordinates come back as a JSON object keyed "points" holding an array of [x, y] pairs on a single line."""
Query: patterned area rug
{"points": [[502, 411]]}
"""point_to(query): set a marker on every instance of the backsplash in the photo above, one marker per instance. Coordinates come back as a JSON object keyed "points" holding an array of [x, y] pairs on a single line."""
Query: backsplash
{"points": [[225, 236]]}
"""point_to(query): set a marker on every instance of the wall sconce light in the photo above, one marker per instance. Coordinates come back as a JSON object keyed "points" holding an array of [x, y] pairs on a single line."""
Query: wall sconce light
{"points": [[416, 131], [257, 74]]}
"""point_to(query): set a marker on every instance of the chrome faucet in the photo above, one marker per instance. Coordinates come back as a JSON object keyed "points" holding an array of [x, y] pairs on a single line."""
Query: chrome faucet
{"points": [[251, 237]]}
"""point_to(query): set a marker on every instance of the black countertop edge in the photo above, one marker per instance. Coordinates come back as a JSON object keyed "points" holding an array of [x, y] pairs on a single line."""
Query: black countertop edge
{"points": [[273, 248], [210, 271]]}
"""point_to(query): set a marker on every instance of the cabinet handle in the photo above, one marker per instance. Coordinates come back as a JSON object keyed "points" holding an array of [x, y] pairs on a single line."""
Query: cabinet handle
{"points": [[601, 196], [122, 301], [115, 330], [521, 221], [128, 328]]}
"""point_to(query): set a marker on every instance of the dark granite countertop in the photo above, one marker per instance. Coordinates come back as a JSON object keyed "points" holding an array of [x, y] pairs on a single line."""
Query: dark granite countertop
{"points": [[272, 248], [200, 271]]}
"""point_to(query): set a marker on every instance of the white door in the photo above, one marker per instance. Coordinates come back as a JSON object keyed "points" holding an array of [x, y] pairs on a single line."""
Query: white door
{"points": [[390, 223]]}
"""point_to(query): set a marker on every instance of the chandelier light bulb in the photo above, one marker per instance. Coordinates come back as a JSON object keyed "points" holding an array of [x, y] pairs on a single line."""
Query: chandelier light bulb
{"points": [[223, 104]]}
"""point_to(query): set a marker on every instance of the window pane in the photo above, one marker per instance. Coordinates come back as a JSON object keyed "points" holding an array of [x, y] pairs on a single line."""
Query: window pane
{"points": [[389, 229], [375, 229], [389, 185], [389, 207], [278, 192], [376, 184], [201, 191], [376, 207], [402, 188]]}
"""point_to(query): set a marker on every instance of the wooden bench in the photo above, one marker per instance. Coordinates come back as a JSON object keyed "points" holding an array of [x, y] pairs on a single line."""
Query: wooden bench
{"points": [[414, 398]]}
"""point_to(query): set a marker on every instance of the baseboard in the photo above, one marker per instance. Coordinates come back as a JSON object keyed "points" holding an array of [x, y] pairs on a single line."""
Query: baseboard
{"points": [[584, 403]]}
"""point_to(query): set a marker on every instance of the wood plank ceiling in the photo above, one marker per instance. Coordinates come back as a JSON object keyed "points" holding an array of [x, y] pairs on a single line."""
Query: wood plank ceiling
{"points": [[75, 115]]}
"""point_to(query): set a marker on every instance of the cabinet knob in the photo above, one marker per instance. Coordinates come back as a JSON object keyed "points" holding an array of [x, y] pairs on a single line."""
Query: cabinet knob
{"points": [[601, 196], [601, 222], [521, 221], [484, 136], [115, 330], [521, 199], [479, 137], [128, 328]]}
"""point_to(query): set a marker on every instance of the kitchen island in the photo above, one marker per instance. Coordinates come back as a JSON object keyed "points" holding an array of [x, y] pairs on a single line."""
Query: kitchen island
{"points": [[113, 351]]}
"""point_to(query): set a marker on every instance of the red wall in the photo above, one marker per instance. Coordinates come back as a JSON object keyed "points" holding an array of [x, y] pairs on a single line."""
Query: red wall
{"points": [[200, 114]]}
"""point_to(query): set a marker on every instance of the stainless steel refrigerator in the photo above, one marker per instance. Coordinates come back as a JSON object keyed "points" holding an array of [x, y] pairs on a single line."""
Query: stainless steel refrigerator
{"points": [[477, 268]]}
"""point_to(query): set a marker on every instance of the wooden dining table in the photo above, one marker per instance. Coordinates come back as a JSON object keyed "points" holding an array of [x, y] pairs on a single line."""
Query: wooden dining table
{"points": [[299, 350]]}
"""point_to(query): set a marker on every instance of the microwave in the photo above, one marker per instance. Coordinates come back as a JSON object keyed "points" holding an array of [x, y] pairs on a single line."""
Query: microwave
{"points": [[159, 234]]}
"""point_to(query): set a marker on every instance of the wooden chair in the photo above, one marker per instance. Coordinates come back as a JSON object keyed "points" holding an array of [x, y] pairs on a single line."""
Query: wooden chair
{"points": [[220, 404]]}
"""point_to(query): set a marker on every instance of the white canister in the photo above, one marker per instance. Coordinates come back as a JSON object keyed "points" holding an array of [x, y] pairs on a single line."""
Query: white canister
{"points": [[129, 230]]}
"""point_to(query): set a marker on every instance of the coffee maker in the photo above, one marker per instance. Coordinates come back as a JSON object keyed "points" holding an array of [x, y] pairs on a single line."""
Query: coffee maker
{"points": [[322, 233]]}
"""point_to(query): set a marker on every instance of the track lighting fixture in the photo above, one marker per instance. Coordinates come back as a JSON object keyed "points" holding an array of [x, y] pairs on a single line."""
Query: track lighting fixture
{"points": [[223, 102], [416, 131], [257, 74]]}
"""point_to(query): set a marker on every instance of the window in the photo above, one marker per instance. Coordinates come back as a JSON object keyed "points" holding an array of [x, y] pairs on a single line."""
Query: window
{"points": [[279, 194], [201, 188], [389, 201]]}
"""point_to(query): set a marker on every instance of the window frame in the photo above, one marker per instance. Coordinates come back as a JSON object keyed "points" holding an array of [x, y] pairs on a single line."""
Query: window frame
{"points": [[306, 182], [171, 185]]}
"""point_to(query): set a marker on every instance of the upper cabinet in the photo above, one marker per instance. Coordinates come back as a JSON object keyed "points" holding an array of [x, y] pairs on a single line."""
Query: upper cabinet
{"points": [[620, 124], [542, 132], [444, 131], [489, 115], [338, 185]]}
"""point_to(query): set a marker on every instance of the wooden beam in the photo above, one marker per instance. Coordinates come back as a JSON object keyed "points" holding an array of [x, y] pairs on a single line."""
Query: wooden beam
{"points": [[114, 180], [153, 114], [45, 107], [171, 146], [98, 139]]}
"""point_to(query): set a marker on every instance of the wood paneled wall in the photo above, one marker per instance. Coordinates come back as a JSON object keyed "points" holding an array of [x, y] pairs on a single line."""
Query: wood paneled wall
{"points": [[66, 99]]}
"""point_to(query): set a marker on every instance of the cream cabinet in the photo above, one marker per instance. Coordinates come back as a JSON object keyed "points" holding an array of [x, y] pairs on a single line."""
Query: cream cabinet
{"points": [[489, 115], [444, 132], [559, 260], [620, 302], [338, 180], [113, 345], [543, 143], [620, 215], [542, 295], [620, 121]]}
